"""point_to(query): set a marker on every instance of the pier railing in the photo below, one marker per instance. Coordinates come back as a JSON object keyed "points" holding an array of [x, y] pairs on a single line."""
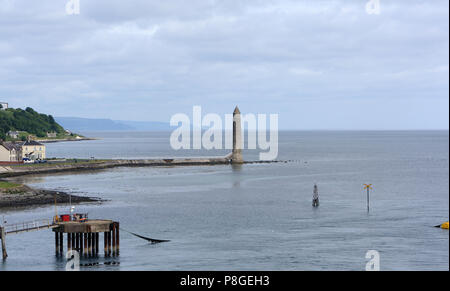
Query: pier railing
{"points": [[28, 226]]}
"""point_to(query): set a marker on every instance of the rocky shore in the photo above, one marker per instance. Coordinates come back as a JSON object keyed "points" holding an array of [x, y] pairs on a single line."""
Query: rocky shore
{"points": [[19, 196]]}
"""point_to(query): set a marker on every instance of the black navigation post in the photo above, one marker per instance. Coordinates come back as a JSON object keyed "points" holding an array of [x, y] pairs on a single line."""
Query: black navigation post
{"points": [[368, 187]]}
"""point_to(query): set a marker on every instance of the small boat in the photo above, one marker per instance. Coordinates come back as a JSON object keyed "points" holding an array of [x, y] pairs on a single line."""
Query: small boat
{"points": [[443, 226]]}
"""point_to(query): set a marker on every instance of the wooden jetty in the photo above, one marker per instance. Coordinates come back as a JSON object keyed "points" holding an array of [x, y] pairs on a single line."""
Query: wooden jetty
{"points": [[21, 228], [83, 236]]}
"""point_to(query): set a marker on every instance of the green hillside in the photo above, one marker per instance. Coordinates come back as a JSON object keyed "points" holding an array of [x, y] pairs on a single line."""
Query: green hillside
{"points": [[28, 121]]}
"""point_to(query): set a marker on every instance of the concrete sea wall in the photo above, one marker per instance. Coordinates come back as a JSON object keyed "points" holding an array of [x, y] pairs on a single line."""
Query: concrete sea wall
{"points": [[20, 170]]}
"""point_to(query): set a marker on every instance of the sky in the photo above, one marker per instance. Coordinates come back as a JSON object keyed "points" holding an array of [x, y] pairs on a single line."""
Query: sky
{"points": [[318, 64]]}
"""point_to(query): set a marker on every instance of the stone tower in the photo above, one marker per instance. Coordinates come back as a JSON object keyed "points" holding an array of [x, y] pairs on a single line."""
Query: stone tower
{"points": [[236, 156]]}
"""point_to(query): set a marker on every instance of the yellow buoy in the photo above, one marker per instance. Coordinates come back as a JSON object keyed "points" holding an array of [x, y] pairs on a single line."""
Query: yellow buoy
{"points": [[444, 225]]}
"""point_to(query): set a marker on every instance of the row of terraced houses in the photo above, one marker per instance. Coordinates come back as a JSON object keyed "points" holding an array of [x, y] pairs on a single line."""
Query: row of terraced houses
{"points": [[17, 151]]}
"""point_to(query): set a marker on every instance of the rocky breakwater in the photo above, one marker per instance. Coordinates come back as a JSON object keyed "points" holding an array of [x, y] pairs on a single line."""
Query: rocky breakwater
{"points": [[90, 165]]}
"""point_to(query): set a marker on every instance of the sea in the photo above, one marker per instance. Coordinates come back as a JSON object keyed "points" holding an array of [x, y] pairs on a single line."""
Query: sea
{"points": [[256, 216]]}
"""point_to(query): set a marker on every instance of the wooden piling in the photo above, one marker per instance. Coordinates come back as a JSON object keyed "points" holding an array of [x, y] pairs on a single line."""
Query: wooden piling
{"points": [[94, 243], [117, 239], [97, 236], [105, 236], [69, 242], [82, 249], [89, 244], [74, 241], [61, 244], [77, 242], [86, 248], [113, 233], [109, 243], [56, 244], [3, 237], [80, 238], [81, 244]]}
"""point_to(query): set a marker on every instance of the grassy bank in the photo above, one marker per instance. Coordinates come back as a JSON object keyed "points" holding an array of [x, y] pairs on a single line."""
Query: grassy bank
{"points": [[8, 185]]}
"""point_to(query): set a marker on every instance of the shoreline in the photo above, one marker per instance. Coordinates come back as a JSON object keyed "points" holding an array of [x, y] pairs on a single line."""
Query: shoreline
{"points": [[78, 165], [23, 196], [64, 140]]}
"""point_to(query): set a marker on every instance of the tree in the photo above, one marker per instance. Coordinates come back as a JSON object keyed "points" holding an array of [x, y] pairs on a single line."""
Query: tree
{"points": [[28, 120], [30, 110], [51, 119]]}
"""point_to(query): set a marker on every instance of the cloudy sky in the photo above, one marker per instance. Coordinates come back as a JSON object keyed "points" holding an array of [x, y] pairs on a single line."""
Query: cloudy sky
{"points": [[319, 64]]}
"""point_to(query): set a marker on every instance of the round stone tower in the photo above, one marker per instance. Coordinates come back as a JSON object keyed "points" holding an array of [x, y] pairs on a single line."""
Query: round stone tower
{"points": [[237, 138]]}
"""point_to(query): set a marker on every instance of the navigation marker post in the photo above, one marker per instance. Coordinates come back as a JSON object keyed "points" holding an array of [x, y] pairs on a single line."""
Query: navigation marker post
{"points": [[368, 187]]}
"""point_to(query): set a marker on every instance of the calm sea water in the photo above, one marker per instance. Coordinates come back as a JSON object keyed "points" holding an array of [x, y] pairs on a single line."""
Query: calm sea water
{"points": [[259, 216]]}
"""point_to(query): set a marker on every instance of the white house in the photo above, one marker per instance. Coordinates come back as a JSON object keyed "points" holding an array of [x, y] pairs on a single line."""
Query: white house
{"points": [[33, 150], [51, 134], [5, 155], [3, 105], [10, 152], [13, 134]]}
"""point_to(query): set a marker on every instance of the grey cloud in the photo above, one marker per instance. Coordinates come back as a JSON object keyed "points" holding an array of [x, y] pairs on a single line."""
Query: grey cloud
{"points": [[149, 59]]}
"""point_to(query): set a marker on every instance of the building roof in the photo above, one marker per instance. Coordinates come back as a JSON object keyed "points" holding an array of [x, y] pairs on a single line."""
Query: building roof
{"points": [[31, 143], [11, 146]]}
